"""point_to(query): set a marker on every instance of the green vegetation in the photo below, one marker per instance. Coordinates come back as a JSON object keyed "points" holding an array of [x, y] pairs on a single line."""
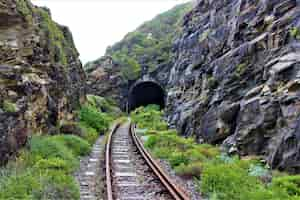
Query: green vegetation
{"points": [[24, 9], [295, 32], [59, 44], [90, 116], [241, 69], [212, 82], [219, 176], [44, 169], [9, 106], [149, 45]]}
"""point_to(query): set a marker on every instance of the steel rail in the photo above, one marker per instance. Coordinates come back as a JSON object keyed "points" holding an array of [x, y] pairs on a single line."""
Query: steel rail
{"points": [[107, 163], [176, 192]]}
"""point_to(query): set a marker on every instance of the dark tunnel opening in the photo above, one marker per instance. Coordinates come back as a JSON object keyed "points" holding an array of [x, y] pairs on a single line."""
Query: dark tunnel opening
{"points": [[146, 93]]}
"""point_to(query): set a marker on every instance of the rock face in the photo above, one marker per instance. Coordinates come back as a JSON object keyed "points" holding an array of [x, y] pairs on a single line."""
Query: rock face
{"points": [[105, 80], [236, 78], [41, 77]]}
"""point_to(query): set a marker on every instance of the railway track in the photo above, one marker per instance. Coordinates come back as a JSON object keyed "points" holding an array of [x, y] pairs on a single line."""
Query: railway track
{"points": [[131, 173]]}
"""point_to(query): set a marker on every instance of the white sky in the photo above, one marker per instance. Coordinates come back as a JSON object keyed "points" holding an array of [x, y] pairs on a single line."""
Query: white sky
{"points": [[96, 24]]}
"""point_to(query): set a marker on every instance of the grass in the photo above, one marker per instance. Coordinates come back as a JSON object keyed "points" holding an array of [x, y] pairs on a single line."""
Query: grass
{"points": [[218, 176], [44, 169]]}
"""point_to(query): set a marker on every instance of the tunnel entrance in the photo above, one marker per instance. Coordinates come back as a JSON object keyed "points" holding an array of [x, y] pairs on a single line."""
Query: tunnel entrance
{"points": [[145, 93]]}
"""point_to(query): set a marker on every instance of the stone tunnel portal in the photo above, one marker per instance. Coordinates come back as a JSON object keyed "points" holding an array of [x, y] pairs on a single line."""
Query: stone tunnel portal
{"points": [[145, 93]]}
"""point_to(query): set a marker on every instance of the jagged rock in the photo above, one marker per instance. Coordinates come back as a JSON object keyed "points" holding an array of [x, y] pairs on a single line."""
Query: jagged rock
{"points": [[247, 50], [41, 81]]}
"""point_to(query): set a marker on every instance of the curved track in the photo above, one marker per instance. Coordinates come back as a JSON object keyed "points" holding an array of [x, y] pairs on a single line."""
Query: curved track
{"points": [[131, 173]]}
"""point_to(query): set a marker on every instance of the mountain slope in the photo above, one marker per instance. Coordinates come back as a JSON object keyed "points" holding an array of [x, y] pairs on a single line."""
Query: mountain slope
{"points": [[147, 46]]}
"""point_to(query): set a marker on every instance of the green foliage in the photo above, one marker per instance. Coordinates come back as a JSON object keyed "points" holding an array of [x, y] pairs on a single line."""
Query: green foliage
{"points": [[295, 32], [78, 145], [52, 164], [44, 170], [149, 45], [95, 119], [189, 170], [291, 184], [149, 117], [104, 105], [220, 176], [49, 147], [89, 134], [212, 82], [227, 180], [58, 185], [9, 106], [241, 69], [59, 44], [24, 9]]}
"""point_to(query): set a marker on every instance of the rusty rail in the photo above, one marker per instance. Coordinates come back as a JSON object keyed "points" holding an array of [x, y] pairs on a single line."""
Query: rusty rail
{"points": [[176, 192], [107, 163]]}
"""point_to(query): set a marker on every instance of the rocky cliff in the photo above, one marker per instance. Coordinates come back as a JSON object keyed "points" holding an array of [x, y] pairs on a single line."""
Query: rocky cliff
{"points": [[235, 80], [41, 77]]}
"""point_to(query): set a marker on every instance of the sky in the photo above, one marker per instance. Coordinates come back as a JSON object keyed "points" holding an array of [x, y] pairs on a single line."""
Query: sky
{"points": [[96, 24]]}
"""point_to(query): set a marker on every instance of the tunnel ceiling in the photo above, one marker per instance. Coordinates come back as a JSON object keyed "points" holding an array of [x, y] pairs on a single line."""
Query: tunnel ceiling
{"points": [[146, 93]]}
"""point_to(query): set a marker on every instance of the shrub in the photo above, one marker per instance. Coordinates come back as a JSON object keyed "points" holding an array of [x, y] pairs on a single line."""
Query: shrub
{"points": [[226, 180], [58, 185], [52, 163], [77, 145], [20, 186], [162, 152], [291, 184], [89, 134], [95, 119], [46, 147], [190, 170], [295, 32], [104, 105], [149, 117], [177, 158]]}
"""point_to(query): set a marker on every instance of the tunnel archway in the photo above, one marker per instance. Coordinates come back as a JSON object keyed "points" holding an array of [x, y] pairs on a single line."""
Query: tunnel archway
{"points": [[145, 93]]}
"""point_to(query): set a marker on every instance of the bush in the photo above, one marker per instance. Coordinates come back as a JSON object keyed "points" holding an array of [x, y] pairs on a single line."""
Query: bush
{"points": [[190, 170], [58, 185], [89, 134], [228, 181], [78, 146], [93, 118], [177, 158], [149, 117], [20, 186], [47, 147], [52, 164], [291, 184]]}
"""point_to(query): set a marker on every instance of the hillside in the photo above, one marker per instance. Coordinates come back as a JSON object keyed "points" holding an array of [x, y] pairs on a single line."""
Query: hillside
{"points": [[148, 46]]}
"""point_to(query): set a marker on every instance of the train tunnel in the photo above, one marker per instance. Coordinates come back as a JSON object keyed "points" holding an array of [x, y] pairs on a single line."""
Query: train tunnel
{"points": [[145, 93]]}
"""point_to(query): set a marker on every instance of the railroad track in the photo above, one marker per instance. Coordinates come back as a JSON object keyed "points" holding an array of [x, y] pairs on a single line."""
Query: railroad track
{"points": [[131, 173]]}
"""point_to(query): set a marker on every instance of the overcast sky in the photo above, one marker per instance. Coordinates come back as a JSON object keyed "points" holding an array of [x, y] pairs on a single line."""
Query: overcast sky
{"points": [[96, 24]]}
